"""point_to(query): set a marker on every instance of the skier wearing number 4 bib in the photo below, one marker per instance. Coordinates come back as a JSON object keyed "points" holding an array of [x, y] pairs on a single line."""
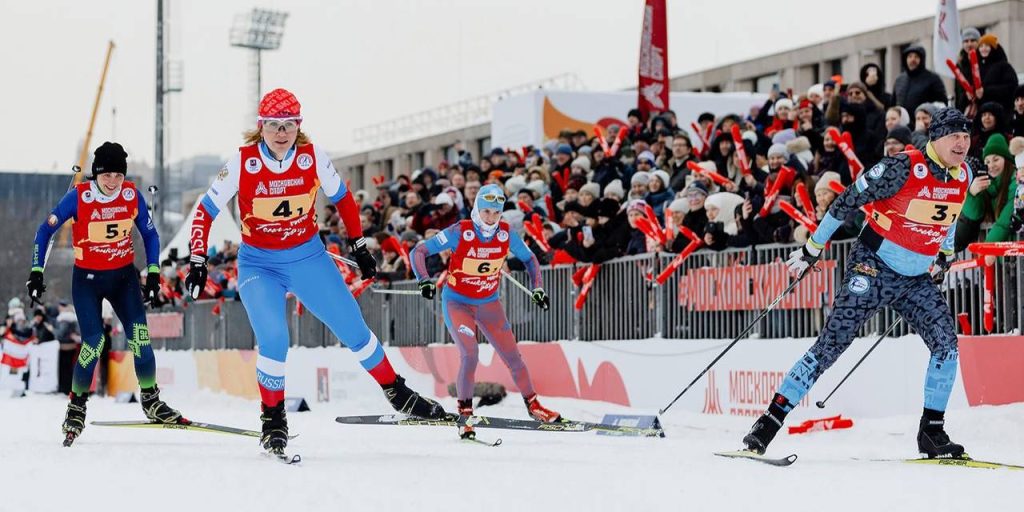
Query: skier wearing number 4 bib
{"points": [[901, 256], [104, 209], [277, 176], [470, 298]]}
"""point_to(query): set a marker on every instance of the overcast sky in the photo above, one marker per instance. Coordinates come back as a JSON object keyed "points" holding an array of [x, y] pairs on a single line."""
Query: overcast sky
{"points": [[355, 62]]}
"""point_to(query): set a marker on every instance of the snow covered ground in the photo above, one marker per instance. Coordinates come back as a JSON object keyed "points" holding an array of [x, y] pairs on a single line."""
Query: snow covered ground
{"points": [[427, 468]]}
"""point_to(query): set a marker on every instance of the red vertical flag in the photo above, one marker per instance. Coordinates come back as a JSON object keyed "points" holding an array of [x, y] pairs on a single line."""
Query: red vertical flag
{"points": [[652, 89]]}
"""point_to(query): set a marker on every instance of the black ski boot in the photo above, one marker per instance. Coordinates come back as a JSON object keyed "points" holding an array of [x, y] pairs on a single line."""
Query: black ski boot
{"points": [[765, 428], [407, 401], [74, 419], [275, 428], [157, 410], [932, 440], [465, 411]]}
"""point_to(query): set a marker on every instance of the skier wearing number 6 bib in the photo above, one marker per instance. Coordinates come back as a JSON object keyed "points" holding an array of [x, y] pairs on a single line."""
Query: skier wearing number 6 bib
{"points": [[104, 210], [901, 256], [277, 176], [470, 297]]}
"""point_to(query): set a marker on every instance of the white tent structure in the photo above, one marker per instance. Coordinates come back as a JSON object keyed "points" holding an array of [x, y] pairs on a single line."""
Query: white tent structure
{"points": [[224, 227]]}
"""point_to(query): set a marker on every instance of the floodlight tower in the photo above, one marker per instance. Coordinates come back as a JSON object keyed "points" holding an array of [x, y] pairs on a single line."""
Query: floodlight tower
{"points": [[258, 30]]}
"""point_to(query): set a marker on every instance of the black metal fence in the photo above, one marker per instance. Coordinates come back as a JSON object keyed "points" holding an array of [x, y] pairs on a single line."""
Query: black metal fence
{"points": [[712, 295]]}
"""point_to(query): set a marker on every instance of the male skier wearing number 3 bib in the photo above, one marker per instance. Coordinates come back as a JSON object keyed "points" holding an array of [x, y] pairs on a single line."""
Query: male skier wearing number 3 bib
{"points": [[470, 298], [276, 176], [901, 256]]}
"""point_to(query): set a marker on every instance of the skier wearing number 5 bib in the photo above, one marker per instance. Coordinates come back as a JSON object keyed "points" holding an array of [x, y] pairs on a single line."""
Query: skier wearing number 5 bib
{"points": [[901, 256], [104, 210], [277, 176], [470, 297]]}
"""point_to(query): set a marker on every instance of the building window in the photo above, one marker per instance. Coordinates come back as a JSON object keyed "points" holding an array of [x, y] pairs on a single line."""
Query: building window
{"points": [[835, 67], [448, 153], [417, 160], [766, 82], [484, 146]]}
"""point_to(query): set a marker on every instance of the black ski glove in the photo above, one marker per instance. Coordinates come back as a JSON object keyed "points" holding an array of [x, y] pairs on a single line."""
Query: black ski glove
{"points": [[151, 288], [367, 265], [35, 286], [428, 288], [195, 281], [939, 268], [540, 298]]}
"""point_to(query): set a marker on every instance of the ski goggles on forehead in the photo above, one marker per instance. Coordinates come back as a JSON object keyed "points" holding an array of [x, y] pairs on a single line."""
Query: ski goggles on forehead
{"points": [[493, 198]]}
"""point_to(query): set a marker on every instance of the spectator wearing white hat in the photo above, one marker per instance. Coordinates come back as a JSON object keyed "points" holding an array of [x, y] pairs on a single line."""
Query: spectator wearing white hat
{"points": [[638, 185], [696, 218], [824, 196], [615, 191], [589, 194], [658, 193], [721, 213]]}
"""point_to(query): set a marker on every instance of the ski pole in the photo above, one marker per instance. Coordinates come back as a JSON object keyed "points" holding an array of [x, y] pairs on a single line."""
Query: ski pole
{"points": [[74, 179], [821, 403], [394, 292], [737, 339], [516, 282], [345, 260]]}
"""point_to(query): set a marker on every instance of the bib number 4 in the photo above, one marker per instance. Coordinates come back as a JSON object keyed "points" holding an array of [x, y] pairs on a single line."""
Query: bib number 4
{"points": [[284, 209]]}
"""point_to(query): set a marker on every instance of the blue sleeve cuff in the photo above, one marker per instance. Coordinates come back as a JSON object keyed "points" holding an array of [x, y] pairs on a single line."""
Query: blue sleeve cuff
{"points": [[826, 228], [211, 208]]}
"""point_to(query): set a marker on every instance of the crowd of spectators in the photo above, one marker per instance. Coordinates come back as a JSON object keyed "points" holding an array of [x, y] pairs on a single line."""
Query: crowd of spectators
{"points": [[588, 196], [586, 193]]}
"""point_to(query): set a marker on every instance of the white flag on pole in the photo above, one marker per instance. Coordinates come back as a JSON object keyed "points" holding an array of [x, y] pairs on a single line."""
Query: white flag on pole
{"points": [[946, 39]]}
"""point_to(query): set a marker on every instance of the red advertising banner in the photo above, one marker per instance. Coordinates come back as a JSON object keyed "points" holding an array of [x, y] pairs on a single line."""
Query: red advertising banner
{"points": [[752, 287], [166, 325], [991, 366], [652, 88]]}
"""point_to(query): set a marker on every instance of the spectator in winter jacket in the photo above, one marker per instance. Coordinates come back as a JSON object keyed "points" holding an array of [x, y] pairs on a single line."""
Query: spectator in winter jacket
{"points": [[721, 213], [1017, 119], [865, 140], [438, 215], [611, 234], [874, 109], [990, 197], [696, 218], [824, 196], [658, 193], [896, 116], [589, 194], [922, 120], [998, 78], [675, 212], [969, 41], [783, 116], [830, 158], [615, 191], [469, 196], [991, 119], [872, 77], [810, 120], [917, 84], [638, 185], [606, 170], [637, 240], [896, 141], [682, 152]]}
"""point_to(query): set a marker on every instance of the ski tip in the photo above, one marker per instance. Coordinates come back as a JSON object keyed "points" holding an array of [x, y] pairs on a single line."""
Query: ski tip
{"points": [[750, 455]]}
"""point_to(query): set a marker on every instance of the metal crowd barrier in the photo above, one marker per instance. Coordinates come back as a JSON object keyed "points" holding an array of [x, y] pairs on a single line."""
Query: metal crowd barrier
{"points": [[712, 295]]}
